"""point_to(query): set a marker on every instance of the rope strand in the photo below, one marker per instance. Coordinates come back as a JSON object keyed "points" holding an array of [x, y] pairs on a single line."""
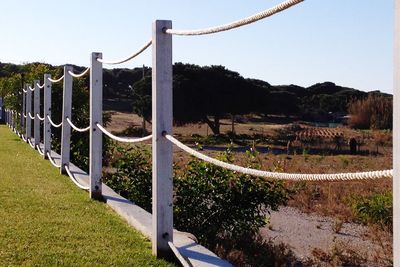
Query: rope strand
{"points": [[76, 128], [283, 176], [239, 23], [80, 74], [115, 62], [52, 161], [52, 123], [121, 139], [56, 80], [73, 179]]}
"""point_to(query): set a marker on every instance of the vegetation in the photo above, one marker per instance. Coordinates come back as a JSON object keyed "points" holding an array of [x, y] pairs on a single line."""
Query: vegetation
{"points": [[47, 221], [219, 207], [373, 112]]}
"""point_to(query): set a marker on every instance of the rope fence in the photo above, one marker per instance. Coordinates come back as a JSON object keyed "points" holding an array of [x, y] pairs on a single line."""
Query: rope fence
{"points": [[162, 126]]}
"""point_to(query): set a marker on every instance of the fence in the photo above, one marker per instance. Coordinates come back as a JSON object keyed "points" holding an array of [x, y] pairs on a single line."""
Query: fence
{"points": [[162, 138]]}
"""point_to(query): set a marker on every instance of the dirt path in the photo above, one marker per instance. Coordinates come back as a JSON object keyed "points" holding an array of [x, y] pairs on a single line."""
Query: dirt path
{"points": [[305, 233]]}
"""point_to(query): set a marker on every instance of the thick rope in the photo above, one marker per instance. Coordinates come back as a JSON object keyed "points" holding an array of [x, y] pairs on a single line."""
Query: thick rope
{"points": [[30, 143], [52, 123], [120, 139], [25, 91], [40, 86], [30, 116], [56, 80], [24, 115], [23, 138], [52, 161], [80, 74], [181, 259], [238, 23], [40, 118], [73, 179], [283, 176], [39, 150], [115, 62], [76, 128], [32, 89]]}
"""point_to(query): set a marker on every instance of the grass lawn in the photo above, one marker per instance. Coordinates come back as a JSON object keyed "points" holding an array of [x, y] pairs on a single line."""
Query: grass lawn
{"points": [[47, 221]]}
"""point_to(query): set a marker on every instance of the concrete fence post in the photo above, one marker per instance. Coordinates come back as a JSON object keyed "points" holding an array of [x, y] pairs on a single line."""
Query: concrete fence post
{"points": [[96, 117], [28, 110], [47, 112], [162, 148], [66, 113], [36, 111], [23, 110]]}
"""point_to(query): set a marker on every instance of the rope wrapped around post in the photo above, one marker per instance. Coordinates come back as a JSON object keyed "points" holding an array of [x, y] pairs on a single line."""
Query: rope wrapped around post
{"points": [[239, 23], [283, 176], [73, 179], [121, 139]]}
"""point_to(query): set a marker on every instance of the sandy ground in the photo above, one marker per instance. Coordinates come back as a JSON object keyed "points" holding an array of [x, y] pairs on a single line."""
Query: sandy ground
{"points": [[304, 233]]}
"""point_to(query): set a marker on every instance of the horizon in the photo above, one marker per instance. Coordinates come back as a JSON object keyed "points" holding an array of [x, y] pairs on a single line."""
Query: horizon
{"points": [[348, 43]]}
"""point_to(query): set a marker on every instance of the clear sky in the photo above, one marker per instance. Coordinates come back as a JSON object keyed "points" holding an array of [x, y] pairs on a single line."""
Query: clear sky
{"points": [[349, 42]]}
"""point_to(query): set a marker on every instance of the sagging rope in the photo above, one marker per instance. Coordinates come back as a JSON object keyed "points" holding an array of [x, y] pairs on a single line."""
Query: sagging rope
{"points": [[30, 116], [52, 161], [80, 74], [25, 91], [122, 139], [52, 123], [40, 86], [282, 176], [115, 62], [40, 118], [76, 128], [23, 138], [24, 115], [56, 80], [74, 179], [30, 143], [225, 27], [32, 89], [39, 150]]}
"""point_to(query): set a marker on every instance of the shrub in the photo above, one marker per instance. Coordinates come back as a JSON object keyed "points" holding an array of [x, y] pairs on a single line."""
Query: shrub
{"points": [[132, 176], [373, 112], [377, 209], [214, 203]]}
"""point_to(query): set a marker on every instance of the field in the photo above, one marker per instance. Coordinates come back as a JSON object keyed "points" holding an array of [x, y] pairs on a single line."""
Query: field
{"points": [[312, 150]]}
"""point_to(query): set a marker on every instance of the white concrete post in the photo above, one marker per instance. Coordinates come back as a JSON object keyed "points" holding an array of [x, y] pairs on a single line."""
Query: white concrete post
{"points": [[36, 111], [28, 109], [96, 116], [23, 110], [162, 149], [396, 139], [66, 113], [47, 112]]}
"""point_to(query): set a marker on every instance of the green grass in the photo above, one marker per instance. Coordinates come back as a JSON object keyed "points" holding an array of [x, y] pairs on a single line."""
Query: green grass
{"points": [[47, 221]]}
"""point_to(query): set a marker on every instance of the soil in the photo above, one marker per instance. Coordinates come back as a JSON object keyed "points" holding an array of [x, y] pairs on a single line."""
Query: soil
{"points": [[305, 234]]}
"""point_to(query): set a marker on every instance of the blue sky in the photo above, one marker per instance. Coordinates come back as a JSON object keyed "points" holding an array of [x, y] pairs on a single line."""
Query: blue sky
{"points": [[349, 42]]}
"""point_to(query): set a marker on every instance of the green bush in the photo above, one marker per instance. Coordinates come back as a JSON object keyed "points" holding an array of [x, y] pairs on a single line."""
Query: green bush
{"points": [[132, 176], [214, 203], [377, 209]]}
